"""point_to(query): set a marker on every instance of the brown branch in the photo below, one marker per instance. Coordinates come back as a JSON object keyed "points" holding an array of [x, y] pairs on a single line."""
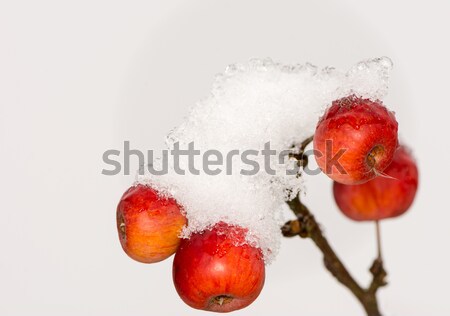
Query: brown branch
{"points": [[302, 159], [306, 226]]}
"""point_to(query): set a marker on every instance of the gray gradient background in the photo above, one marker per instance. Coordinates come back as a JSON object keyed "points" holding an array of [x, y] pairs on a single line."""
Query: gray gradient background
{"points": [[80, 77]]}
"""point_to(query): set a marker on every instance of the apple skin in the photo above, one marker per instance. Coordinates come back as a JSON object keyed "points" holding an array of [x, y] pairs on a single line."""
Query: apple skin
{"points": [[148, 225], [215, 270], [381, 197], [367, 132]]}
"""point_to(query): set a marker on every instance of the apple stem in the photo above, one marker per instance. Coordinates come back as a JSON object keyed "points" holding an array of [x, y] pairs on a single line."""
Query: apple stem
{"points": [[378, 232]]}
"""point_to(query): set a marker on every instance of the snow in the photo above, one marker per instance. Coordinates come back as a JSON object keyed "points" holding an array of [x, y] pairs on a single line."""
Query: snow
{"points": [[251, 104]]}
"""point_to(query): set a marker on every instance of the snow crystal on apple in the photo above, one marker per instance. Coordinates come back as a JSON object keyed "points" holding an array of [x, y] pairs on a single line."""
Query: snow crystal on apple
{"points": [[250, 105]]}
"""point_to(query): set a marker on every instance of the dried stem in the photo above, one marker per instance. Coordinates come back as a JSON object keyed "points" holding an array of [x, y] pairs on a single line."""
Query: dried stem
{"points": [[306, 226]]}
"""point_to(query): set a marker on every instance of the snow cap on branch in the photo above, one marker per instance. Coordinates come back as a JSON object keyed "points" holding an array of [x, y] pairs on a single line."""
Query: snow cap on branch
{"points": [[250, 105]]}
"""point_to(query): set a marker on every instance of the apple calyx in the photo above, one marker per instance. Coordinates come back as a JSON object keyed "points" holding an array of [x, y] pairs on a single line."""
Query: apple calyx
{"points": [[221, 300]]}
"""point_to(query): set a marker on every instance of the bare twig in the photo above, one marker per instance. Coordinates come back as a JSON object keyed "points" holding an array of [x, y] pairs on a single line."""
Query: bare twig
{"points": [[306, 226]]}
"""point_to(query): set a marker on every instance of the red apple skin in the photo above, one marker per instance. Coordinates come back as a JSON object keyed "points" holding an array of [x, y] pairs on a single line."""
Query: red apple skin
{"points": [[381, 197], [148, 225], [210, 265], [367, 132]]}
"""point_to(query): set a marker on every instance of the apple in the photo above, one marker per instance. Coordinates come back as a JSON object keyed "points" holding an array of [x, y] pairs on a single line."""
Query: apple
{"points": [[148, 224], [216, 270], [355, 140], [382, 197]]}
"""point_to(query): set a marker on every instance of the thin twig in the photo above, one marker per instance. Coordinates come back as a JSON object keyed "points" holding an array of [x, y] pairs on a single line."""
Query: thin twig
{"points": [[306, 226]]}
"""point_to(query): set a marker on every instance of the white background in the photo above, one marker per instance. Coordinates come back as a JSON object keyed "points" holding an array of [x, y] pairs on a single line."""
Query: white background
{"points": [[80, 77]]}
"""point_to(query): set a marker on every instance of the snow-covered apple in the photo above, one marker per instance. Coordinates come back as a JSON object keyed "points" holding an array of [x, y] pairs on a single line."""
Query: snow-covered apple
{"points": [[383, 197], [148, 224], [216, 270], [355, 140]]}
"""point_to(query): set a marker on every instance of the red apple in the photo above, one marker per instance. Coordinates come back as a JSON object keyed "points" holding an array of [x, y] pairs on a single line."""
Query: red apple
{"points": [[148, 225], [216, 270], [381, 197], [355, 140]]}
